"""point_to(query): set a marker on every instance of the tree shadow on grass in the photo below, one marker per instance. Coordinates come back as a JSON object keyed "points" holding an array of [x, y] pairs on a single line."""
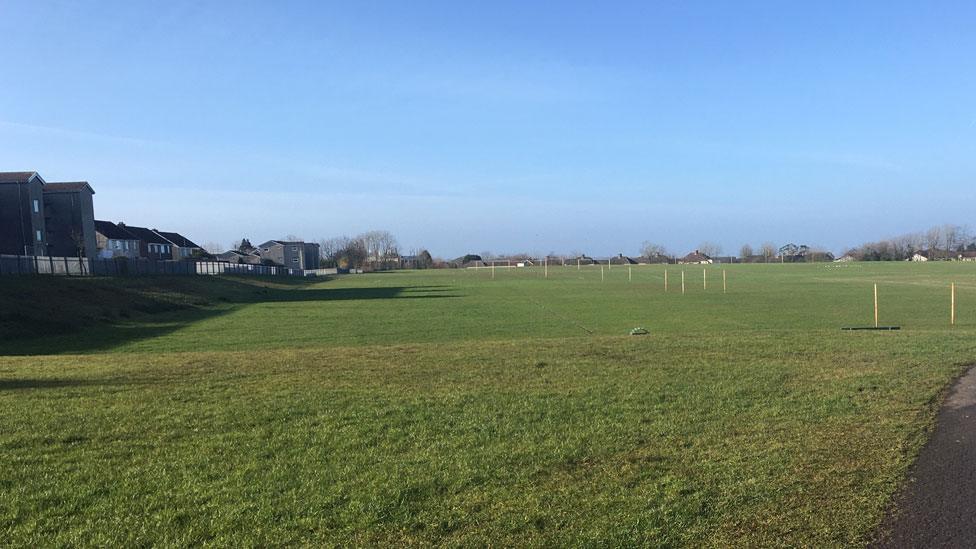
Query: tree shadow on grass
{"points": [[48, 383], [146, 316]]}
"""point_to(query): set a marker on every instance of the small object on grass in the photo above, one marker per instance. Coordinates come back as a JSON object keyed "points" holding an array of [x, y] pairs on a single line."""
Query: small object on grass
{"points": [[882, 328], [639, 332]]}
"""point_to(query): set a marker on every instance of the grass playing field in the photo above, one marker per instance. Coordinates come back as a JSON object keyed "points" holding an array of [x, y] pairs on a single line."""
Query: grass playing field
{"points": [[448, 407]]}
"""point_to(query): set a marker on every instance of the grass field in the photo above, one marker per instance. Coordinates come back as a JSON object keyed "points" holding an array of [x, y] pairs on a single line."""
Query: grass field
{"points": [[448, 407]]}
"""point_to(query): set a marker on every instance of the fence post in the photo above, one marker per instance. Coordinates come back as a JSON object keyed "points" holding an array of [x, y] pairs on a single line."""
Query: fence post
{"points": [[50, 261], [67, 272]]}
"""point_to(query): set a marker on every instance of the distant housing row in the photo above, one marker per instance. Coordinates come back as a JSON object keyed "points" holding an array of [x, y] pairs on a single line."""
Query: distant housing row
{"points": [[40, 218]]}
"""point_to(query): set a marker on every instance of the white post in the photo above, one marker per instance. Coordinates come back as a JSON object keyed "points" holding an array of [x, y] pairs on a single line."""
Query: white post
{"points": [[952, 314], [546, 263], [601, 274], [875, 305], [630, 273], [577, 263], [682, 282], [493, 270], [665, 281], [724, 285], [704, 279]]}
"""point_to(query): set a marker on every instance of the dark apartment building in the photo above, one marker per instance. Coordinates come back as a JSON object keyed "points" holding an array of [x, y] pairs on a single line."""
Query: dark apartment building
{"points": [[292, 254], [69, 217], [22, 228]]}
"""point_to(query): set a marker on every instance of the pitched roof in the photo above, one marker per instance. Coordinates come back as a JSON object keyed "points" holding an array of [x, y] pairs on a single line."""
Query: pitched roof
{"points": [[68, 186], [695, 256], [111, 230], [16, 177], [146, 235], [178, 240]]}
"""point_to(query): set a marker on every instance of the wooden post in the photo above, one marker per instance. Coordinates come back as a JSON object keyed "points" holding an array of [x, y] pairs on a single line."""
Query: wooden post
{"points": [[724, 285], [630, 273], [952, 314], [546, 263], [875, 305], [682, 282], [493, 270], [665, 281]]}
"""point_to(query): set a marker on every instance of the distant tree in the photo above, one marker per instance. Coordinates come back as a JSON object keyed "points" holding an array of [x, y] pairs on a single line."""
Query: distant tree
{"points": [[789, 250], [212, 247], [768, 250], [244, 246], [424, 260], [933, 238], [745, 251], [650, 249], [710, 249]]}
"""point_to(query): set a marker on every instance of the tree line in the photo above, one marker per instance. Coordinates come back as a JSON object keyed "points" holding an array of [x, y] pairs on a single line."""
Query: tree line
{"points": [[939, 242]]}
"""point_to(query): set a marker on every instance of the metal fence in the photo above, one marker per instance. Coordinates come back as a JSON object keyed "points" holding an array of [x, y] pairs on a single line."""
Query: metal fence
{"points": [[80, 266]]}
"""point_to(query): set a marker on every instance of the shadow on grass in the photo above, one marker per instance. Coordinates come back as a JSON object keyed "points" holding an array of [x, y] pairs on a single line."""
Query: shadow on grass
{"points": [[136, 309], [24, 384]]}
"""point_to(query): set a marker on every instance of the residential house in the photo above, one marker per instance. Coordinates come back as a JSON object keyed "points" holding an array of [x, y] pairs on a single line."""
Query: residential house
{"points": [[468, 261], [183, 247], [921, 255], [292, 254], [112, 241], [22, 223], [69, 217], [621, 259], [695, 258], [239, 257], [968, 255], [152, 245]]}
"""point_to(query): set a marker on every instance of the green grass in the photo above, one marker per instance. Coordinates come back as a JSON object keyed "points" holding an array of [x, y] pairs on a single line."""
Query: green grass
{"points": [[447, 407]]}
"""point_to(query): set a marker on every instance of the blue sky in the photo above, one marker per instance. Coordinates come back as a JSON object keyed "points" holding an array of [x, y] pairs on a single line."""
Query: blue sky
{"points": [[507, 126]]}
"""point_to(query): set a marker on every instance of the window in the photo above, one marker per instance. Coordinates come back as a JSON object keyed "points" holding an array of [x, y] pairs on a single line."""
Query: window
{"points": [[294, 260], [39, 236], [116, 244], [125, 244], [294, 248], [37, 207]]}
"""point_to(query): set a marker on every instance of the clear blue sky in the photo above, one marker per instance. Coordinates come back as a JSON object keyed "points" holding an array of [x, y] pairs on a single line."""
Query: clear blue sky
{"points": [[505, 126]]}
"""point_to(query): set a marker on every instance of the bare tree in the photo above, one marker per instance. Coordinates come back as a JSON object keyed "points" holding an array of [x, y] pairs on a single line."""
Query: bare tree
{"points": [[768, 250], [710, 249], [745, 251], [212, 247], [650, 249], [933, 237]]}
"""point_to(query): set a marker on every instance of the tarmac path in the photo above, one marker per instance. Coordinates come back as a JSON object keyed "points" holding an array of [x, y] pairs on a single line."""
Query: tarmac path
{"points": [[937, 505]]}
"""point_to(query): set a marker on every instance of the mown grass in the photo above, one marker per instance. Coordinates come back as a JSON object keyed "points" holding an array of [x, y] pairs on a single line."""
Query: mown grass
{"points": [[450, 408]]}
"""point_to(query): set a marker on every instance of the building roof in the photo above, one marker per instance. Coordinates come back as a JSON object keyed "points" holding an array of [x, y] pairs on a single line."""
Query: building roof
{"points": [[17, 177], [695, 256], [146, 235], [68, 186], [178, 240], [111, 230]]}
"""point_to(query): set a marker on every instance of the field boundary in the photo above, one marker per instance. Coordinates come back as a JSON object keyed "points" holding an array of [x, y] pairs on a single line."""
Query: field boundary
{"points": [[936, 504]]}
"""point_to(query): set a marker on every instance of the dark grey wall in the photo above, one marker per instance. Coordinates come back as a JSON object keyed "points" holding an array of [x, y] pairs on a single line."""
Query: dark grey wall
{"points": [[18, 222], [66, 214]]}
